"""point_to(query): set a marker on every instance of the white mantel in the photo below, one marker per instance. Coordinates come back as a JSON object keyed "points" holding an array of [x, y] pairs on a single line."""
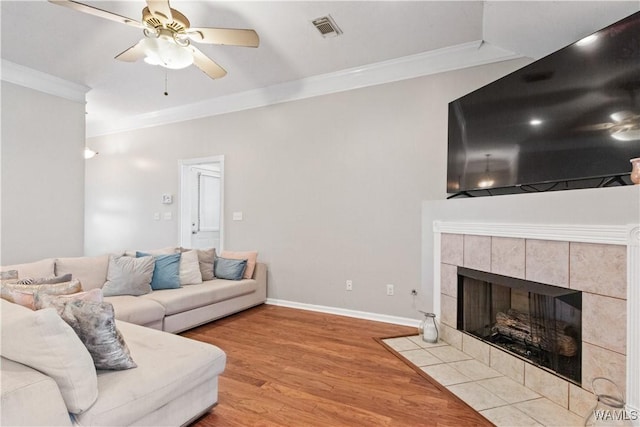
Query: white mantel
{"points": [[627, 235]]}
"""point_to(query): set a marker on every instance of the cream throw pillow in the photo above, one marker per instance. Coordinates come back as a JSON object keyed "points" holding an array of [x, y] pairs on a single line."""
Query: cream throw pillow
{"points": [[190, 268], [250, 256], [42, 340], [129, 276]]}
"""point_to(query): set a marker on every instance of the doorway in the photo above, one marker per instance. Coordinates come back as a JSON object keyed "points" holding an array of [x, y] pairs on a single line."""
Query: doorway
{"points": [[202, 203]]}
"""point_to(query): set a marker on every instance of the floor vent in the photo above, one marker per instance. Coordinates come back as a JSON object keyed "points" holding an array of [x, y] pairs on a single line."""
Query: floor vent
{"points": [[327, 26]]}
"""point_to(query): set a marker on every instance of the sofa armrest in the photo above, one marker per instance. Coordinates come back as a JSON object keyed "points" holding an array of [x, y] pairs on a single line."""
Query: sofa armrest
{"points": [[260, 276], [30, 398]]}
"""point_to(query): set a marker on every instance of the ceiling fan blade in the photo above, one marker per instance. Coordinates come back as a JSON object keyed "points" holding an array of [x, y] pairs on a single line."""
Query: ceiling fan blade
{"points": [[80, 7], [207, 65], [132, 54], [623, 116], [160, 9], [594, 127], [224, 36]]}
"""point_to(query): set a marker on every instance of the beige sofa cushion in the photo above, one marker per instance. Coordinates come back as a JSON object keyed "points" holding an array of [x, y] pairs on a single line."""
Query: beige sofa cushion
{"points": [[42, 268], [205, 293], [136, 310], [91, 271], [42, 340], [168, 366], [30, 398]]}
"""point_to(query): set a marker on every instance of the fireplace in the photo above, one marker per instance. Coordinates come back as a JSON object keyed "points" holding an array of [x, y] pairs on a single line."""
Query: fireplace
{"points": [[538, 322], [600, 261]]}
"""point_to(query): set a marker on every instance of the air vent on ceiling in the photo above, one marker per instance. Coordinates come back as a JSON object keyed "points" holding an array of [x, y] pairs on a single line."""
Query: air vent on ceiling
{"points": [[327, 26]]}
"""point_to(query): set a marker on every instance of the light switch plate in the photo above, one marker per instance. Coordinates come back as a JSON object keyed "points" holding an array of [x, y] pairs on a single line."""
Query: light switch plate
{"points": [[168, 216], [237, 216]]}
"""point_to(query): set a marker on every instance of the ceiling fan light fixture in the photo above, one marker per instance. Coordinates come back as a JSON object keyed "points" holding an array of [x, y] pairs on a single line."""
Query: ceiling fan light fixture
{"points": [[626, 134], [165, 52], [168, 35]]}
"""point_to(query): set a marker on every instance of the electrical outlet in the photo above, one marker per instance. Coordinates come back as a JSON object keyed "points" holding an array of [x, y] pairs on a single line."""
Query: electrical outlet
{"points": [[349, 285], [390, 290]]}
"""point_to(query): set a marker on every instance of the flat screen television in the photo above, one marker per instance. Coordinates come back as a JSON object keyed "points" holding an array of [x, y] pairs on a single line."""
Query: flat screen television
{"points": [[568, 120]]}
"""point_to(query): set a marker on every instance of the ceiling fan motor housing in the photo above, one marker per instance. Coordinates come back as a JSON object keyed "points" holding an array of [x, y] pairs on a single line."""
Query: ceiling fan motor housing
{"points": [[179, 23]]}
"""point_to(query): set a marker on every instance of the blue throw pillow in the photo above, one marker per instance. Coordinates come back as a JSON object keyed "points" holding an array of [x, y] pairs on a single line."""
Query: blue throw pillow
{"points": [[166, 274], [231, 269]]}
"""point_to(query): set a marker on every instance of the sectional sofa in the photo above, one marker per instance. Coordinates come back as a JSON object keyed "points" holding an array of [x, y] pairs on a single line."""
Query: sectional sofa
{"points": [[176, 379]]}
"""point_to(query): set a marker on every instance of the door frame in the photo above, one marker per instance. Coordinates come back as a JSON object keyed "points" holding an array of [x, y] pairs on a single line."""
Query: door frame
{"points": [[185, 197]]}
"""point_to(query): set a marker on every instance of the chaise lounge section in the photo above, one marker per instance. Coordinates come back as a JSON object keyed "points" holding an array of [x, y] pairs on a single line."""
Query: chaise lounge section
{"points": [[176, 378]]}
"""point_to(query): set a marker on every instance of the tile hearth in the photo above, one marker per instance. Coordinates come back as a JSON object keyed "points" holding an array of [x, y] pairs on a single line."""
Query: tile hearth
{"points": [[497, 397]]}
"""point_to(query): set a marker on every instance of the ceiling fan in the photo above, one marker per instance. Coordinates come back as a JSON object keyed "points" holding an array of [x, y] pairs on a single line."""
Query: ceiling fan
{"points": [[168, 36], [625, 126]]}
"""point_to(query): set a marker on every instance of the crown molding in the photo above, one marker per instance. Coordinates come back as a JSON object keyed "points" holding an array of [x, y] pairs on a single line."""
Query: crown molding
{"points": [[43, 82], [437, 61]]}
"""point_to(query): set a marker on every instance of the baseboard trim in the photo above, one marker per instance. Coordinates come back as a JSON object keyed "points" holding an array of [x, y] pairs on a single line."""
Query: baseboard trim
{"points": [[403, 321]]}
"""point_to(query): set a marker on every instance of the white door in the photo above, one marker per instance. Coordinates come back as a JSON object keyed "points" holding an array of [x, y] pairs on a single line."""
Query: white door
{"points": [[202, 203]]}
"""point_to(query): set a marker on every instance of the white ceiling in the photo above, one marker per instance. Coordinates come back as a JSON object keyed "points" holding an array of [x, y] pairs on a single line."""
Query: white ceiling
{"points": [[80, 48]]}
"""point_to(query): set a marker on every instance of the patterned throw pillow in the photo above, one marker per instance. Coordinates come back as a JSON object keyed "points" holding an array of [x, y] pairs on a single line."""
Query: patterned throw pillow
{"points": [[23, 294], [94, 323], [45, 280], [45, 300], [9, 276]]}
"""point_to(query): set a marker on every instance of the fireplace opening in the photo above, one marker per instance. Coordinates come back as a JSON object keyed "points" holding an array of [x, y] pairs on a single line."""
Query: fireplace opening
{"points": [[538, 322]]}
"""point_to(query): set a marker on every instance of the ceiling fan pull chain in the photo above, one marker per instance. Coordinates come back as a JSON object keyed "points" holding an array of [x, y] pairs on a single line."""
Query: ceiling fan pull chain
{"points": [[166, 78]]}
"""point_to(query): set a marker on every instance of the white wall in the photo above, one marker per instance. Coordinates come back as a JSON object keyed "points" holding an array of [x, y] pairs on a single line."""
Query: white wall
{"points": [[331, 187], [42, 176], [596, 206]]}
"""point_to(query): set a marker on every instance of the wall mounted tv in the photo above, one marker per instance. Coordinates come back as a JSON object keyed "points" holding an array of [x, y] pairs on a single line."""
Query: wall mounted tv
{"points": [[568, 120]]}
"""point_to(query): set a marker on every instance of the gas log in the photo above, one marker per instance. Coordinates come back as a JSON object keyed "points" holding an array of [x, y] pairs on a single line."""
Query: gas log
{"points": [[532, 331]]}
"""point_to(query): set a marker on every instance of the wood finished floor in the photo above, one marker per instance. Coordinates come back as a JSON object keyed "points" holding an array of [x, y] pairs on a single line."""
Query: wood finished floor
{"points": [[288, 367]]}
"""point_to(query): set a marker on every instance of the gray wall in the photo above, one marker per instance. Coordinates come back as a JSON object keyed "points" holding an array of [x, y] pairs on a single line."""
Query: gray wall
{"points": [[42, 176], [331, 187]]}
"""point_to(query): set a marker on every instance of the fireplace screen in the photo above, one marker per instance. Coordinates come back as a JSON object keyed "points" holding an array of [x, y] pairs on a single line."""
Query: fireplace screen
{"points": [[538, 322]]}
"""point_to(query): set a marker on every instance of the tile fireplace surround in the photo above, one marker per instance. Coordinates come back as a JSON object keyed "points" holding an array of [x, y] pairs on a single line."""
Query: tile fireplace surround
{"points": [[601, 261]]}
